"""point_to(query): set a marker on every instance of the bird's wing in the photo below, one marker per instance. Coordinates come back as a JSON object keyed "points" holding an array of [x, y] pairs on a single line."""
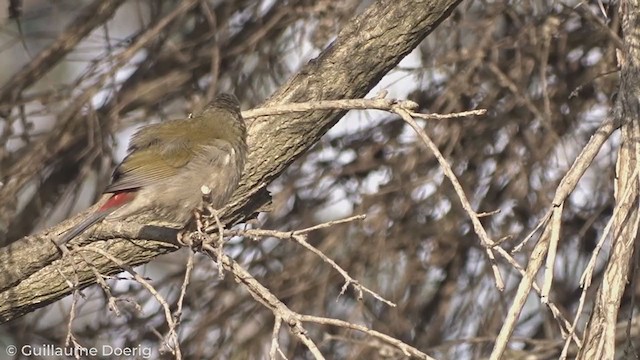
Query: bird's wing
{"points": [[151, 161]]}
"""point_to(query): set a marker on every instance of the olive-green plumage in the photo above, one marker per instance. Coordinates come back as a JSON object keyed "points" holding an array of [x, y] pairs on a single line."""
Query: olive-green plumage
{"points": [[168, 163]]}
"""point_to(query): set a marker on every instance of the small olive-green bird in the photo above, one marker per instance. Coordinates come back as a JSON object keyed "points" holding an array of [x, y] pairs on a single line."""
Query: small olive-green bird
{"points": [[167, 164]]}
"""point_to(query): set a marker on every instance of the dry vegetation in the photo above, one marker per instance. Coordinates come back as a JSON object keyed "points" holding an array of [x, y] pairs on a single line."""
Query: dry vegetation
{"points": [[545, 71]]}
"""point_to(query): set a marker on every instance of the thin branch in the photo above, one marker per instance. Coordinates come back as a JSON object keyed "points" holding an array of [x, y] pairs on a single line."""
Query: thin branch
{"points": [[556, 224], [487, 243], [265, 297], [177, 314], [406, 349], [299, 236], [172, 334], [354, 104], [275, 347]]}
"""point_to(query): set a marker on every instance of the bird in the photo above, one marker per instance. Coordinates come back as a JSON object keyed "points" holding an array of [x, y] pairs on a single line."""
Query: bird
{"points": [[167, 164]]}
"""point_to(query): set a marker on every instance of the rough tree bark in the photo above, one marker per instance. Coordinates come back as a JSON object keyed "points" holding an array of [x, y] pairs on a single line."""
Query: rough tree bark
{"points": [[364, 51]]}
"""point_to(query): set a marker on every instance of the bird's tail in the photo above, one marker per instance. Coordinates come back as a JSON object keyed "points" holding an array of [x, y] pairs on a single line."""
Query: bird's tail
{"points": [[84, 225]]}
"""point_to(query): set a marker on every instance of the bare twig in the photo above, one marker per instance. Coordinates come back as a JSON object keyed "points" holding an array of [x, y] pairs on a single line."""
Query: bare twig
{"points": [[183, 289], [275, 347], [556, 224], [300, 237], [355, 104], [172, 342], [406, 349], [265, 297], [446, 168]]}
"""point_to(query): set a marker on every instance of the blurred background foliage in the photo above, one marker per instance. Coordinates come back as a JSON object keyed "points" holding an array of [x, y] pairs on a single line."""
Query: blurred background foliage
{"points": [[544, 70]]}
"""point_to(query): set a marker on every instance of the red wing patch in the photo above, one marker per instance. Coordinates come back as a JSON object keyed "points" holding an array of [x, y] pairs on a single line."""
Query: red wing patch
{"points": [[118, 199]]}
